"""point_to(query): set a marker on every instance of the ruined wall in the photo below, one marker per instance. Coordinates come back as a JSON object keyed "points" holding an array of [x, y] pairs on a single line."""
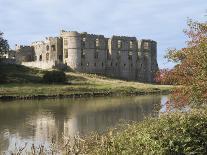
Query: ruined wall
{"points": [[24, 53], [119, 56], [84, 52], [48, 50]]}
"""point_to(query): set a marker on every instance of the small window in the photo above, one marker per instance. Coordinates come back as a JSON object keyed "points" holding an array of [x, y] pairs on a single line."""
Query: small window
{"points": [[97, 43], [66, 53], [116, 64], [124, 65], [130, 55], [83, 43], [53, 47], [95, 64], [119, 44], [60, 57], [83, 54], [40, 58], [131, 45], [111, 64], [47, 56], [118, 54], [102, 64], [96, 55], [47, 47], [65, 42], [146, 45]]}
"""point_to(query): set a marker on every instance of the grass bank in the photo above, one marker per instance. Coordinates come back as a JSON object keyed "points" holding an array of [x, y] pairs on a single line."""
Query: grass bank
{"points": [[24, 82]]}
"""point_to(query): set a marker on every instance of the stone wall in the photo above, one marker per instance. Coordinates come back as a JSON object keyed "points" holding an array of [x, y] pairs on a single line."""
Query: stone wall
{"points": [[119, 56]]}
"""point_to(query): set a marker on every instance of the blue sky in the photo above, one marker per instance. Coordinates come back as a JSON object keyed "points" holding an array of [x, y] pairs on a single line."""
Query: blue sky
{"points": [[25, 21]]}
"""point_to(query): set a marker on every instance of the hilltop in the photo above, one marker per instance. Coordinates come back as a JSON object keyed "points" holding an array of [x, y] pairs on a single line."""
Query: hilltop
{"points": [[24, 82]]}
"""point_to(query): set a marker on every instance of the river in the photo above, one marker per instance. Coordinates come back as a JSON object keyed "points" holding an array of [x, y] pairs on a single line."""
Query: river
{"points": [[38, 121]]}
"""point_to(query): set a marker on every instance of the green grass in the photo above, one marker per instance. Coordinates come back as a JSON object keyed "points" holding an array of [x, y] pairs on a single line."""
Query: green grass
{"points": [[24, 81]]}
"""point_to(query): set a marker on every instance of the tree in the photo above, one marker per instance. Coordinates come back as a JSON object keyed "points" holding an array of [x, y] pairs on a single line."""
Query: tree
{"points": [[4, 46], [191, 69]]}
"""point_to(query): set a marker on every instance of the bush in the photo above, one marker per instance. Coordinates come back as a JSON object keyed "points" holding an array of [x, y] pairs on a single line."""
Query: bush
{"points": [[175, 133], [54, 77]]}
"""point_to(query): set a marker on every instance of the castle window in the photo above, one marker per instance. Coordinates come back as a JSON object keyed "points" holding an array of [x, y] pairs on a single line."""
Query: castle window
{"points": [[47, 56], [97, 43], [83, 42], [96, 55], [130, 55], [65, 42], [102, 64], [83, 54], [53, 47], [118, 54], [60, 57], [124, 65], [116, 64], [40, 58], [95, 64], [66, 53], [146, 45], [119, 44], [111, 64], [131, 45], [47, 47]]}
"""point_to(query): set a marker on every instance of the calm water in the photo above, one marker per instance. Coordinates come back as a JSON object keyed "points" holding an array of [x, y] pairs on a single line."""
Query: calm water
{"points": [[38, 121]]}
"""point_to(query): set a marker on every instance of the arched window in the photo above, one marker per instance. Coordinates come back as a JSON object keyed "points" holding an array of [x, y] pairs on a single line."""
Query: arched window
{"points": [[47, 47], [40, 58], [47, 56], [97, 42]]}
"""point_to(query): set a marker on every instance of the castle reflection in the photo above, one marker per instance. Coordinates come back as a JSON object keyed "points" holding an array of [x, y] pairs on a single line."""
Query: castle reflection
{"points": [[41, 121]]}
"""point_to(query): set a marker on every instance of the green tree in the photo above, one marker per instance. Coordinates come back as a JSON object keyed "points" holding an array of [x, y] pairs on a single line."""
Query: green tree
{"points": [[191, 69], [4, 46]]}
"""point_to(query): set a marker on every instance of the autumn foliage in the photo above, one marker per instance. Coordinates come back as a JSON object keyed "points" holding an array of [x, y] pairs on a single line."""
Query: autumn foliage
{"points": [[191, 69]]}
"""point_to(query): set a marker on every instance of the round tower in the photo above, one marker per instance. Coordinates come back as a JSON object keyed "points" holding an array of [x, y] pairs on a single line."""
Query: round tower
{"points": [[71, 49]]}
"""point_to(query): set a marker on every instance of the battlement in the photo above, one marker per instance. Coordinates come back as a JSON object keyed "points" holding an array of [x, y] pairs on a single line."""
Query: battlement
{"points": [[123, 57]]}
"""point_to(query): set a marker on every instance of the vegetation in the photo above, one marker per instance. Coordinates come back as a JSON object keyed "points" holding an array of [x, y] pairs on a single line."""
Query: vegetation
{"points": [[172, 133], [191, 68], [4, 46], [54, 77], [22, 81]]}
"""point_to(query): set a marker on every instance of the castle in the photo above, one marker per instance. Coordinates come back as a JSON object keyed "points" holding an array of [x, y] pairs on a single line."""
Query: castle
{"points": [[119, 56]]}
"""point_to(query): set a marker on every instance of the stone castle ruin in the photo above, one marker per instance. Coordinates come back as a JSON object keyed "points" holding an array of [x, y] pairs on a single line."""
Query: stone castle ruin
{"points": [[119, 56]]}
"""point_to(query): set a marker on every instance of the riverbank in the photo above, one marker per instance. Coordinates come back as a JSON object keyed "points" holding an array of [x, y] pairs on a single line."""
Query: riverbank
{"points": [[25, 83]]}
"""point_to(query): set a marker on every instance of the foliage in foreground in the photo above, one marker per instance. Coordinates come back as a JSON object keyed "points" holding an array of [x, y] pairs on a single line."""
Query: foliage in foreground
{"points": [[191, 68], [173, 133], [54, 77]]}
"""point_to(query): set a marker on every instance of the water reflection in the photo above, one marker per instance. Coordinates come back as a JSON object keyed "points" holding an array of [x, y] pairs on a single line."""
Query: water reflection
{"points": [[38, 121]]}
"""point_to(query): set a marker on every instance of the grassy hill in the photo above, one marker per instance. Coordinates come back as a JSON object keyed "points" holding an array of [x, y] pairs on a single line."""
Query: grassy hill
{"points": [[22, 81]]}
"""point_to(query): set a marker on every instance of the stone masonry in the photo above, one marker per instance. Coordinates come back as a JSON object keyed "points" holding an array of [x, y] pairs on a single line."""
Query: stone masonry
{"points": [[119, 56]]}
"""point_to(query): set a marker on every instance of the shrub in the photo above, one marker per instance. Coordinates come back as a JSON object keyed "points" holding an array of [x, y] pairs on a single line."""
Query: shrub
{"points": [[174, 133], [54, 77]]}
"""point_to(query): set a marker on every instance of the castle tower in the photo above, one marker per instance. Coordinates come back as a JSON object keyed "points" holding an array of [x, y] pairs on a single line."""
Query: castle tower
{"points": [[72, 49]]}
